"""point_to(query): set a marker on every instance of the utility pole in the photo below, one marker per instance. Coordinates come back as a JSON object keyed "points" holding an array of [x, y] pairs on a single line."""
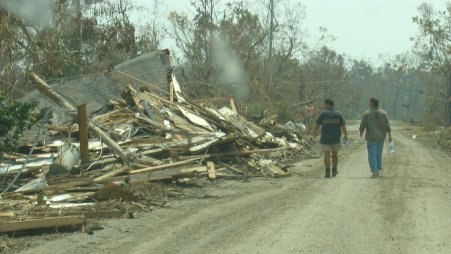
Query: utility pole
{"points": [[83, 130], [271, 28], [79, 33]]}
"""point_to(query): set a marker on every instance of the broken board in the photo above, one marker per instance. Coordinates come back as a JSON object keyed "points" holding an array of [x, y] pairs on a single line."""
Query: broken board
{"points": [[41, 223]]}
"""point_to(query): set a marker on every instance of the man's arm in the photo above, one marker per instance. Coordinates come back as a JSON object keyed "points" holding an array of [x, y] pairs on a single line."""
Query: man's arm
{"points": [[363, 124], [318, 123], [316, 131], [388, 128], [344, 131], [343, 127]]}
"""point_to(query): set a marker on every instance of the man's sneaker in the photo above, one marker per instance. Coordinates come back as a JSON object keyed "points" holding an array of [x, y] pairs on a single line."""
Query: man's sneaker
{"points": [[327, 175], [334, 172], [375, 175]]}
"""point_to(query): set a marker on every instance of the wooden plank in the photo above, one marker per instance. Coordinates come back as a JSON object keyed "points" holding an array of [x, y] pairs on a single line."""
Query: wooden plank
{"points": [[278, 171], [228, 176], [105, 177], [6, 214], [161, 167], [109, 142], [233, 106], [250, 152], [179, 172], [41, 223], [152, 151], [245, 127], [185, 125], [86, 214], [170, 174], [233, 169], [212, 117], [195, 118], [198, 157], [68, 185], [211, 170], [140, 101], [103, 162], [171, 92]]}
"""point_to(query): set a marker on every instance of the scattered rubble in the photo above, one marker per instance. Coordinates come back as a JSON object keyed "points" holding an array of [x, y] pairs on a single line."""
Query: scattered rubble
{"points": [[144, 140]]}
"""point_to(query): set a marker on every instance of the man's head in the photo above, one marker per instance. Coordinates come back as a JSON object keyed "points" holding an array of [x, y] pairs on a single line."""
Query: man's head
{"points": [[329, 103], [374, 103]]}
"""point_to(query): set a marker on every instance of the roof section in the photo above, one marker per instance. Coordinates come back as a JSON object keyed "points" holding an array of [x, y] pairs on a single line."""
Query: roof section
{"points": [[152, 68], [96, 90]]}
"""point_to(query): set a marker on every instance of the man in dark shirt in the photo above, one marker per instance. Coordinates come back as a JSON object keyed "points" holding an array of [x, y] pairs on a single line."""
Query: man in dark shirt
{"points": [[332, 125]]}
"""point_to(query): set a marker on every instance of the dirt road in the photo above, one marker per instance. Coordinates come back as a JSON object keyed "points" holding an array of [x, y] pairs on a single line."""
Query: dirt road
{"points": [[407, 210]]}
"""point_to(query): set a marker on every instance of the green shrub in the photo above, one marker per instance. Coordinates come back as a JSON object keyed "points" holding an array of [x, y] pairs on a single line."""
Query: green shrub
{"points": [[15, 118]]}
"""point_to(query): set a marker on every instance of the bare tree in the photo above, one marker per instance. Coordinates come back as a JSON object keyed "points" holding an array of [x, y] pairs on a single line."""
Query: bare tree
{"points": [[433, 45]]}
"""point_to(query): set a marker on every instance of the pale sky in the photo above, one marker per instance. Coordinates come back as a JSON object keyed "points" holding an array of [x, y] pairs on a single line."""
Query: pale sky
{"points": [[363, 28], [367, 28]]}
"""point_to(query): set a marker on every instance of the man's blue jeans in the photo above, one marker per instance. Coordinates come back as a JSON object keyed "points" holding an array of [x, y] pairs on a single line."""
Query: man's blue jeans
{"points": [[375, 155]]}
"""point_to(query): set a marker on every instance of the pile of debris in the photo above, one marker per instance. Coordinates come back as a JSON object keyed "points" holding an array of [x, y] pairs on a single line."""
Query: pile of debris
{"points": [[143, 140]]}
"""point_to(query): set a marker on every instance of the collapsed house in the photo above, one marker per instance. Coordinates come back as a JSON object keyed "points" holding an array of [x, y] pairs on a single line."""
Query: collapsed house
{"points": [[142, 129]]}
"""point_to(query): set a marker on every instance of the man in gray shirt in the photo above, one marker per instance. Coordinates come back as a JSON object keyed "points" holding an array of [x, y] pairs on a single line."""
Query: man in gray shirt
{"points": [[375, 125]]}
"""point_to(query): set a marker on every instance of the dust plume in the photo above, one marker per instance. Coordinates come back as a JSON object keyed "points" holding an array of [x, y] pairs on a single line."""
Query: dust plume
{"points": [[37, 12], [232, 76]]}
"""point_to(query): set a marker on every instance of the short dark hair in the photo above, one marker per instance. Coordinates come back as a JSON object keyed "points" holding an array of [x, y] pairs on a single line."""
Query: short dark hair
{"points": [[329, 102], [374, 101]]}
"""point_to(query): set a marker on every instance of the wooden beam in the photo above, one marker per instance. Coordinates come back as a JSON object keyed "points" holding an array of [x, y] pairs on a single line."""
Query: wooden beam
{"points": [[198, 157], [103, 162], [161, 167], [171, 92], [169, 174], [233, 106], [6, 214], [63, 185], [109, 142], [86, 214], [278, 172], [107, 176], [256, 151], [41, 223], [140, 103], [83, 129], [45, 89], [233, 169], [211, 170]]}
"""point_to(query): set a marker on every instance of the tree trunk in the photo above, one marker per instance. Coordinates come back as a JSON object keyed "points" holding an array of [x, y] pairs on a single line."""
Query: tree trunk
{"points": [[448, 81]]}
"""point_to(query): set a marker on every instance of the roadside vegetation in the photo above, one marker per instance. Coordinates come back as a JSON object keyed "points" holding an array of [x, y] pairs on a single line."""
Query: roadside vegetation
{"points": [[229, 49]]}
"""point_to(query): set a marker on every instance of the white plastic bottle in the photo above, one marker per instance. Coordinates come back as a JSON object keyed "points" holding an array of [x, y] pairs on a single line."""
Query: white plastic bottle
{"points": [[391, 147]]}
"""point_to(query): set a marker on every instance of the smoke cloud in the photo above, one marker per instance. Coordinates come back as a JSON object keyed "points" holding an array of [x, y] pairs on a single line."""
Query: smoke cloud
{"points": [[232, 76], [36, 12]]}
